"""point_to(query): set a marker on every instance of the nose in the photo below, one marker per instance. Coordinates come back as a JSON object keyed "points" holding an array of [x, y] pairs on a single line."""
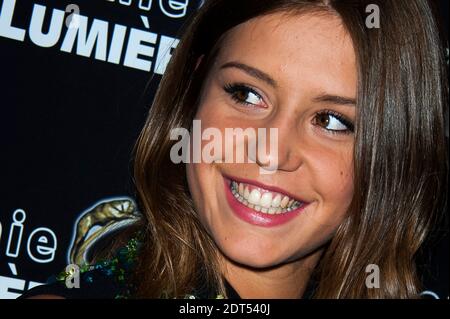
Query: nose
{"points": [[281, 145]]}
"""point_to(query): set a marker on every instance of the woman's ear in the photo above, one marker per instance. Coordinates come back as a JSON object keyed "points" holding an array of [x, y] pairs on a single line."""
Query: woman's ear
{"points": [[199, 60]]}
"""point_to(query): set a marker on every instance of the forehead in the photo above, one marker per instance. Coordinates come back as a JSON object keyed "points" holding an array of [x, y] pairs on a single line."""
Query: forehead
{"points": [[313, 48]]}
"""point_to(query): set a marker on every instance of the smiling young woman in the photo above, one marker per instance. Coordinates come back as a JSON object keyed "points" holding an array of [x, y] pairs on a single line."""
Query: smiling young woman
{"points": [[361, 153], [362, 166]]}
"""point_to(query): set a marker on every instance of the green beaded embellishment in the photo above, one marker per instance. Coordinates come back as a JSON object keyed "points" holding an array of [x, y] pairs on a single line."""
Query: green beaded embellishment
{"points": [[116, 267]]}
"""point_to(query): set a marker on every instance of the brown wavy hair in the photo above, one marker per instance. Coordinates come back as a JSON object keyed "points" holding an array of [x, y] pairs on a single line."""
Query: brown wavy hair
{"points": [[400, 157]]}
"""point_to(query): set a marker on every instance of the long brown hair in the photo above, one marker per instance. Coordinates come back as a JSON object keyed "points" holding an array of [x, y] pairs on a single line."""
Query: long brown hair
{"points": [[400, 159]]}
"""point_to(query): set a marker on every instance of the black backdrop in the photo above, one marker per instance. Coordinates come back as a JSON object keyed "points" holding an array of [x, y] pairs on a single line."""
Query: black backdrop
{"points": [[70, 114], [69, 121]]}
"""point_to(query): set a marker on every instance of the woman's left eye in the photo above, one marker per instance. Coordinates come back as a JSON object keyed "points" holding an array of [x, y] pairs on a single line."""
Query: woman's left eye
{"points": [[243, 94], [333, 122]]}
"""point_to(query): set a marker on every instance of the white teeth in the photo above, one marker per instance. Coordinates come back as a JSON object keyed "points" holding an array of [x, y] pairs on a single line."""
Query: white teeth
{"points": [[254, 197], [246, 193], [241, 189], [266, 200], [284, 202], [276, 201]]}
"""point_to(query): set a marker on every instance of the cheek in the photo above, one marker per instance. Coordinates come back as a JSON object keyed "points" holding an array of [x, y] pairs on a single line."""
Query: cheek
{"points": [[205, 185], [334, 180], [197, 177], [203, 177], [198, 180]]}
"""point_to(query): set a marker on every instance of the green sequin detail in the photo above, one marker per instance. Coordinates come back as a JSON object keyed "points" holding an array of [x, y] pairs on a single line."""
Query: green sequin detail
{"points": [[117, 267]]}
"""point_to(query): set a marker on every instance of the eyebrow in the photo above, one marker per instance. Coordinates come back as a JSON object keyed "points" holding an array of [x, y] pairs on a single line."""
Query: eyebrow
{"points": [[256, 73], [335, 99]]}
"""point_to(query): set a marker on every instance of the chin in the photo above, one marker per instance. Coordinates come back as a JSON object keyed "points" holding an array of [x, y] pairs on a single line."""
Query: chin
{"points": [[252, 255]]}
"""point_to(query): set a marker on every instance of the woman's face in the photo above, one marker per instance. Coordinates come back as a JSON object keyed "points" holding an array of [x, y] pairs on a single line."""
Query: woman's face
{"points": [[296, 74]]}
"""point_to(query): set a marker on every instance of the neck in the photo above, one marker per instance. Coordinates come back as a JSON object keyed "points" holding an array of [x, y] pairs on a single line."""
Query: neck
{"points": [[286, 281]]}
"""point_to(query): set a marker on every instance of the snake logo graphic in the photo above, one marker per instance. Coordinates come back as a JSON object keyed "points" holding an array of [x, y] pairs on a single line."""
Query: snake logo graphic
{"points": [[98, 221]]}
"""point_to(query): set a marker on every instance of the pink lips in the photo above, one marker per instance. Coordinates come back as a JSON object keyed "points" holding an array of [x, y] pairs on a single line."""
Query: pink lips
{"points": [[256, 218]]}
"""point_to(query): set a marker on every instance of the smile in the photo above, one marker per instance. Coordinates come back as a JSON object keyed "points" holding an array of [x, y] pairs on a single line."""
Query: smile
{"points": [[262, 200], [259, 204]]}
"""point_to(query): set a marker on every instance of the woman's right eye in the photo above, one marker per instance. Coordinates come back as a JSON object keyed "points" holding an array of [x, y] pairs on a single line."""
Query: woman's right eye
{"points": [[244, 94]]}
